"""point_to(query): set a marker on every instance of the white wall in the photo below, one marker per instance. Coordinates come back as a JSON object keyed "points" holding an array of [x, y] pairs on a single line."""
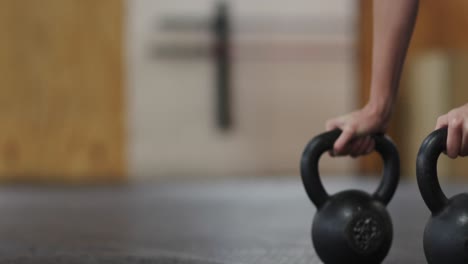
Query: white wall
{"points": [[278, 105]]}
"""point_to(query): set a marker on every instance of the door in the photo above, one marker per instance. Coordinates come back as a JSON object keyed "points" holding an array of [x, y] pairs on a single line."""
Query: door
{"points": [[61, 116]]}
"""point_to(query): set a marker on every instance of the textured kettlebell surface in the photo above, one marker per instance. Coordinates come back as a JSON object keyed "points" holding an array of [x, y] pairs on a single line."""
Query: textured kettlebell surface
{"points": [[366, 232], [238, 222]]}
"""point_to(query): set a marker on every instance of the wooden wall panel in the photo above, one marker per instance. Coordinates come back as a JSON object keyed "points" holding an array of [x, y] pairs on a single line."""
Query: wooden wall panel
{"points": [[442, 27], [61, 105]]}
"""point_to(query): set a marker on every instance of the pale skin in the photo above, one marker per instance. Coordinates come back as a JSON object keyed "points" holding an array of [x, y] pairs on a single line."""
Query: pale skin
{"points": [[392, 29]]}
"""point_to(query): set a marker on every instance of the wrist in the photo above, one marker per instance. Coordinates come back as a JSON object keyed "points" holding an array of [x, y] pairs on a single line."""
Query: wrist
{"points": [[381, 110]]}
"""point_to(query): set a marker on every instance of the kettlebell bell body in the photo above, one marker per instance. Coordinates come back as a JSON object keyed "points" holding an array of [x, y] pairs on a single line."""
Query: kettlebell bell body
{"points": [[446, 233], [351, 226]]}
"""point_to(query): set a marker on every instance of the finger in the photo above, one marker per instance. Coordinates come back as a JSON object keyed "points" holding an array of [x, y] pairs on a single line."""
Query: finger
{"points": [[454, 137], [360, 149], [367, 144], [371, 146], [464, 145], [356, 147], [442, 121], [340, 144], [330, 125]]}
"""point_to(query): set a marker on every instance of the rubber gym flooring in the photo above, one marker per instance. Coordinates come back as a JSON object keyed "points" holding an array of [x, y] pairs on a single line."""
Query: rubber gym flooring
{"points": [[221, 221]]}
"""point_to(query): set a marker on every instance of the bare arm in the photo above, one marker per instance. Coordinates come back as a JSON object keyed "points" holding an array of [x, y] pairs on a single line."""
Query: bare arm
{"points": [[393, 26]]}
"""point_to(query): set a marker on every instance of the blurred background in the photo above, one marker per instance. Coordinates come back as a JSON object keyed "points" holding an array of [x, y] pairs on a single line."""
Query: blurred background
{"points": [[112, 91]]}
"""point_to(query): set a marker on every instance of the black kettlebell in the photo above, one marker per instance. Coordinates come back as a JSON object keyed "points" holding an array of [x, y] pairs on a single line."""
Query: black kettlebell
{"points": [[351, 226], [446, 233]]}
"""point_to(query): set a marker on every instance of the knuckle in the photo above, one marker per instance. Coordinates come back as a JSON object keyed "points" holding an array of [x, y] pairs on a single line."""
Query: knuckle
{"points": [[455, 121]]}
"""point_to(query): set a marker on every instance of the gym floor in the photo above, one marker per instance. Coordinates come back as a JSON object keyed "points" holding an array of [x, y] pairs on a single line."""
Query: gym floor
{"points": [[226, 221]]}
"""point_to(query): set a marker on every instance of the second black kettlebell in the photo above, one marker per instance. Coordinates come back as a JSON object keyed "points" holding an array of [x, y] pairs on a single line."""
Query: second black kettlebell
{"points": [[446, 233], [351, 226]]}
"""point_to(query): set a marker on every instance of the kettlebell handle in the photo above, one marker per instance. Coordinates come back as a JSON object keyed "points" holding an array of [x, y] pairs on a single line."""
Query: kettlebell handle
{"points": [[426, 170], [324, 142]]}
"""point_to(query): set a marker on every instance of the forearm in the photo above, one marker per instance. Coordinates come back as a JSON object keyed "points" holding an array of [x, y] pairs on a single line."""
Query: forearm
{"points": [[393, 26]]}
